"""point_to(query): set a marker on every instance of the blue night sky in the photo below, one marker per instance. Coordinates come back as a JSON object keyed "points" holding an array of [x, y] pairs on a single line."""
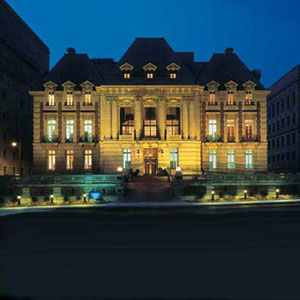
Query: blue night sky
{"points": [[265, 34]]}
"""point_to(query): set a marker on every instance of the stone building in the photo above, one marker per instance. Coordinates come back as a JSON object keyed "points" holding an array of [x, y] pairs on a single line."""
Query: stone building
{"points": [[283, 123], [155, 108], [24, 60]]}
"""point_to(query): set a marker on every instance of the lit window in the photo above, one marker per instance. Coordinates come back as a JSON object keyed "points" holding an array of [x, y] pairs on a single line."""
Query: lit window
{"points": [[230, 160], [248, 97], [51, 160], [51, 98], [126, 158], [173, 158], [88, 159], [69, 159], [249, 159], [87, 131], [212, 129], [69, 131], [230, 98], [248, 130], [230, 131], [149, 75], [212, 98], [51, 128], [69, 98], [87, 98], [126, 75], [173, 75], [212, 159]]}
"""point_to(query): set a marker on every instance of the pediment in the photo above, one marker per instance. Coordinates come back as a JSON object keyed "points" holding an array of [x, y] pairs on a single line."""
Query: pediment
{"points": [[87, 85], [126, 67], [50, 85], [150, 102], [150, 67], [249, 84], [231, 84], [68, 84], [173, 67], [213, 85]]}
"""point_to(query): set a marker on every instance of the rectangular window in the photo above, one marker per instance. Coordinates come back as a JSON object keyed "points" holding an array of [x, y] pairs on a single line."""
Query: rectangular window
{"points": [[212, 159], [126, 75], [248, 100], [51, 160], [69, 131], [51, 129], [69, 98], [88, 158], [51, 99], [248, 130], [173, 158], [126, 158], [212, 130], [230, 98], [149, 75], [87, 131], [69, 159], [230, 160], [172, 127], [87, 98], [230, 131], [212, 98], [173, 75], [150, 128], [249, 159]]}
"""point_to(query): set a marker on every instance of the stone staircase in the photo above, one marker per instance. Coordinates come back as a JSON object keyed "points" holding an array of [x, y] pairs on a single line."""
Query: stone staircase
{"points": [[149, 189]]}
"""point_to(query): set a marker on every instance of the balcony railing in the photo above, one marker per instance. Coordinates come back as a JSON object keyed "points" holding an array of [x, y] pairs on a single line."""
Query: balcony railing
{"points": [[230, 103], [213, 138], [230, 139], [50, 139], [249, 103], [248, 139], [69, 104], [212, 103], [69, 140], [87, 138]]}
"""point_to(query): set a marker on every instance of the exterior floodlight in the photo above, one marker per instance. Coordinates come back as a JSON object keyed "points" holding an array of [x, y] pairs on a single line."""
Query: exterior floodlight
{"points": [[120, 169], [178, 169], [14, 144]]}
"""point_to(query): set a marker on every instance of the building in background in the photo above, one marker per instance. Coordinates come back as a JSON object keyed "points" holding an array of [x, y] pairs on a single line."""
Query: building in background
{"points": [[24, 60], [283, 123], [155, 108]]}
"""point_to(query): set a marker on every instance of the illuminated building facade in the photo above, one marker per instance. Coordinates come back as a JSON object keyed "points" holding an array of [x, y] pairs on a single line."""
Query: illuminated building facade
{"points": [[155, 108]]}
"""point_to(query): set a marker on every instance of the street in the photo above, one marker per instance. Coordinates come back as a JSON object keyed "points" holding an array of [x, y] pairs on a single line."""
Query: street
{"points": [[168, 254]]}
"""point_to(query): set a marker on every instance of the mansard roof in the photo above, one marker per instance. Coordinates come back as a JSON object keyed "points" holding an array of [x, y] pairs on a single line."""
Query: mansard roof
{"points": [[76, 68], [222, 67], [225, 67]]}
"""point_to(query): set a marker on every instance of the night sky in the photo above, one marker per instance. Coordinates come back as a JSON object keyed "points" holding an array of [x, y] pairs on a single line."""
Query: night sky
{"points": [[265, 33]]}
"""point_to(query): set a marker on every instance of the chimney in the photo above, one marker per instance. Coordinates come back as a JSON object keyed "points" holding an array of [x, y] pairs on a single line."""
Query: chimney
{"points": [[229, 50], [71, 51], [257, 73]]}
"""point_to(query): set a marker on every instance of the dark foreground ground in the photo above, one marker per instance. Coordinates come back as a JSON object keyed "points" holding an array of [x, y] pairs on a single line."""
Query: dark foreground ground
{"points": [[93, 254]]}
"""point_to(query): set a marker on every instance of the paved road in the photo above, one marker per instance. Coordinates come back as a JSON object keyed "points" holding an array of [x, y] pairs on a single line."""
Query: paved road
{"points": [[96, 254]]}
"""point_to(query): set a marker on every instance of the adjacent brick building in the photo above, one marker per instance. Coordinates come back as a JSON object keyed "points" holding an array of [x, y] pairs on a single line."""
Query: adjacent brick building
{"points": [[155, 108], [283, 123], [24, 60]]}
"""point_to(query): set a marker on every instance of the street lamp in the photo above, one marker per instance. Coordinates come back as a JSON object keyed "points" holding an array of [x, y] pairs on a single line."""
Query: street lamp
{"points": [[245, 194], [15, 144], [212, 195], [51, 199], [119, 169], [84, 198], [19, 200], [277, 193]]}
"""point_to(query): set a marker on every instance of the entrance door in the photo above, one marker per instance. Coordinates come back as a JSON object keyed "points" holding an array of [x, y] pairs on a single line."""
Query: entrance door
{"points": [[150, 166]]}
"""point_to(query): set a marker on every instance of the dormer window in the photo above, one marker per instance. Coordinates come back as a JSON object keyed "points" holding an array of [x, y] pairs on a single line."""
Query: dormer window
{"points": [[212, 98], [149, 75], [230, 98], [248, 100], [173, 70], [88, 98], [126, 69], [69, 98], [150, 70], [51, 98]]}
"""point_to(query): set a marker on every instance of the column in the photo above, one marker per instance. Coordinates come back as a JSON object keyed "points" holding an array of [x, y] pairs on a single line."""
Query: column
{"points": [[115, 118], [78, 121], [192, 119], [59, 123], [41, 122], [162, 117], [222, 125], [97, 121], [185, 116], [138, 118], [258, 115], [240, 122]]}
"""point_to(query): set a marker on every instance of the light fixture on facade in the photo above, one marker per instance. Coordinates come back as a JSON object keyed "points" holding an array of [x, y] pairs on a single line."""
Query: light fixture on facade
{"points": [[120, 169], [178, 169], [138, 153]]}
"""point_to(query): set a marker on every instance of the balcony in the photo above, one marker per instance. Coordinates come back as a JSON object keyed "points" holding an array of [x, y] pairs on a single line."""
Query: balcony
{"points": [[87, 138], [213, 138], [249, 139], [230, 139], [50, 106], [150, 130], [70, 139], [88, 106], [50, 139]]}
